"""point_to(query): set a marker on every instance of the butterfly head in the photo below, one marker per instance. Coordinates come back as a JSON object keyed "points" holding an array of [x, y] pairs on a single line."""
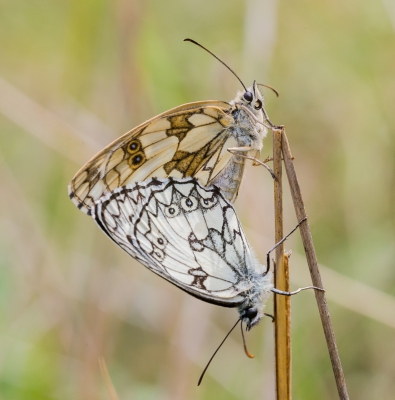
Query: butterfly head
{"points": [[252, 310], [250, 115], [251, 99], [250, 317]]}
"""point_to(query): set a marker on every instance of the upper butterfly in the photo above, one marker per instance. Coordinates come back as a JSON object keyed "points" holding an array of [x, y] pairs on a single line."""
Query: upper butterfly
{"points": [[191, 140]]}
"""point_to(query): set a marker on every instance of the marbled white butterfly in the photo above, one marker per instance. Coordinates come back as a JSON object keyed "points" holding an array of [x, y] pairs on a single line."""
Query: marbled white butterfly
{"points": [[189, 235]]}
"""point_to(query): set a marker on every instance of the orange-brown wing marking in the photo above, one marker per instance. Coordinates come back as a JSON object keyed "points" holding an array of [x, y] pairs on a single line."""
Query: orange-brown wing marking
{"points": [[203, 140]]}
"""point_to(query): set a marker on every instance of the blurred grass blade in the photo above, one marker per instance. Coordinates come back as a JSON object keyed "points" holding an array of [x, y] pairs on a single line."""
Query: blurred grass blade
{"points": [[107, 379]]}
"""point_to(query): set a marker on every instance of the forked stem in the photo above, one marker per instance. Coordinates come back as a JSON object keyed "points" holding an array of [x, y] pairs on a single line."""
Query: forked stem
{"points": [[314, 270]]}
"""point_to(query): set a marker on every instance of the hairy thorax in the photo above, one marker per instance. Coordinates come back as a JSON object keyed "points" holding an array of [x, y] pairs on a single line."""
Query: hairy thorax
{"points": [[247, 133]]}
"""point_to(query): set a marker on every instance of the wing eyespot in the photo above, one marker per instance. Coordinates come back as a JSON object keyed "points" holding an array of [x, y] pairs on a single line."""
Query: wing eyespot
{"points": [[137, 160], [158, 254], [161, 242], [209, 202], [157, 240], [134, 146], [189, 203], [172, 211]]}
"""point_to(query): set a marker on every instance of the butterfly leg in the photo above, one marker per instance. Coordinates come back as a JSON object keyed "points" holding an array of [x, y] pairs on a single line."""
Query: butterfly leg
{"points": [[276, 127], [278, 244], [244, 149], [274, 290], [269, 315], [255, 160], [266, 119]]}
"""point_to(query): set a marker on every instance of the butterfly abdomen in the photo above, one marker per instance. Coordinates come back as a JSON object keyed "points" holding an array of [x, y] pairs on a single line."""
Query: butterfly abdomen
{"points": [[229, 179]]}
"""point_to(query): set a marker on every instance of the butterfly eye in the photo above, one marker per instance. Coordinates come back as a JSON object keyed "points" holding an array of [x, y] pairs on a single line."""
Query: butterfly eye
{"points": [[137, 160], [208, 203], [172, 211], [258, 105], [248, 96], [189, 203], [134, 146], [250, 313]]}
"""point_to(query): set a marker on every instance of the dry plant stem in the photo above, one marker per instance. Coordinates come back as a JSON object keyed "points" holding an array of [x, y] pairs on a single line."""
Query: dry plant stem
{"points": [[314, 270], [282, 304]]}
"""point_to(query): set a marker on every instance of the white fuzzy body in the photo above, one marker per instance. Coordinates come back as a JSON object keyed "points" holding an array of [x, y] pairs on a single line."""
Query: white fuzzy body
{"points": [[248, 131]]}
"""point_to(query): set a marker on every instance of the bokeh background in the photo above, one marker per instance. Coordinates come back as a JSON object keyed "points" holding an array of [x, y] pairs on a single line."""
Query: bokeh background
{"points": [[74, 75]]}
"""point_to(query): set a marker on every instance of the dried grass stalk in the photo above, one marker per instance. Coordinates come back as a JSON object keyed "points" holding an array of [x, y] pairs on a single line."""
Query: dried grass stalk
{"points": [[282, 304], [313, 267]]}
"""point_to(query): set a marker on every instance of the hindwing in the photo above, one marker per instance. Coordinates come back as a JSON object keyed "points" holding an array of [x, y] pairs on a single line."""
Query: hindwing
{"points": [[186, 233]]}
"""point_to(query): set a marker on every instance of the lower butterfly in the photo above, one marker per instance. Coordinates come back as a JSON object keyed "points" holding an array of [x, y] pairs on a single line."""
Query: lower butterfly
{"points": [[189, 235]]}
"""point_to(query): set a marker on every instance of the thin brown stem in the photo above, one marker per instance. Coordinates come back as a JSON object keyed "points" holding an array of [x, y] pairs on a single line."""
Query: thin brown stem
{"points": [[314, 270], [282, 304]]}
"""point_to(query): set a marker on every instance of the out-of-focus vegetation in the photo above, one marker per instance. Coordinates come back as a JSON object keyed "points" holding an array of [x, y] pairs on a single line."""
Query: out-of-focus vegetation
{"points": [[75, 75]]}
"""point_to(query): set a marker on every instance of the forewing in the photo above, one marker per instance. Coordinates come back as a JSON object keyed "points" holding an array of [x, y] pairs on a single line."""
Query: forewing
{"points": [[186, 233], [186, 141]]}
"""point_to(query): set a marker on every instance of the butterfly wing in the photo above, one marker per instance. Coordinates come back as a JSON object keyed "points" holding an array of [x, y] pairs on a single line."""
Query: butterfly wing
{"points": [[186, 233], [190, 140]]}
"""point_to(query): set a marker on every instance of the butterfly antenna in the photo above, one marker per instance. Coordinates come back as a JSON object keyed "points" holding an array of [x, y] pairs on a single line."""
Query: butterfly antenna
{"points": [[215, 352], [269, 87], [208, 51], [244, 343]]}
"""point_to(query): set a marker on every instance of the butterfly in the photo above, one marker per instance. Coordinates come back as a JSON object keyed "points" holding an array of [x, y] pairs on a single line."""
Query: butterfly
{"points": [[190, 235], [207, 140]]}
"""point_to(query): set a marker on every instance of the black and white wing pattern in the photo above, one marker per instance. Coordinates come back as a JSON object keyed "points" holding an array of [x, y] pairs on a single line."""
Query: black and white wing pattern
{"points": [[188, 234]]}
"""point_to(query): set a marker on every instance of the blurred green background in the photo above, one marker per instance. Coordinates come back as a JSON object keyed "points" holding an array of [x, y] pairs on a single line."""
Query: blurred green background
{"points": [[74, 75]]}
